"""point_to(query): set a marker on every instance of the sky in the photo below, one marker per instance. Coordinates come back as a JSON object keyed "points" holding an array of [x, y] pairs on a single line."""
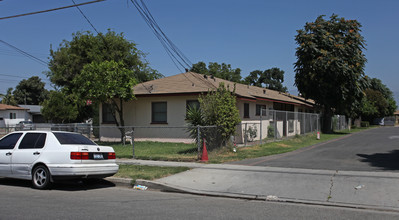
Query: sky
{"points": [[250, 35]]}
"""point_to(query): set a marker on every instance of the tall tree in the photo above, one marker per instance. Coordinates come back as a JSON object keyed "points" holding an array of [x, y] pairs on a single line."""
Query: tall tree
{"points": [[68, 61], [223, 71], [107, 82], [330, 65], [30, 91], [8, 98], [271, 79]]}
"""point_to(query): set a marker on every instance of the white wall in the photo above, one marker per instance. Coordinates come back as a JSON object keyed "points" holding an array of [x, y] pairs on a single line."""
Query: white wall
{"points": [[138, 113], [20, 116]]}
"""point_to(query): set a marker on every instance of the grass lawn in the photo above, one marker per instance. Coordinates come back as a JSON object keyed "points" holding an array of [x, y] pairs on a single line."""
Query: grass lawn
{"points": [[148, 150], [188, 152], [147, 172]]}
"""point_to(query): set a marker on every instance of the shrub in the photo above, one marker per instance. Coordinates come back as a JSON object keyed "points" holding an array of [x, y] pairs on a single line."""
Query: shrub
{"points": [[270, 131], [365, 124]]}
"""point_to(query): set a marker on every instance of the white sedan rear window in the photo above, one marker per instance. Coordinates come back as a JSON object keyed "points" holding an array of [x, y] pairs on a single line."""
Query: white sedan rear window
{"points": [[71, 138]]}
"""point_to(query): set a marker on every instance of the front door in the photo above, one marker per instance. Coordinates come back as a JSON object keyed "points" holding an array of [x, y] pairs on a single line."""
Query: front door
{"points": [[7, 145]]}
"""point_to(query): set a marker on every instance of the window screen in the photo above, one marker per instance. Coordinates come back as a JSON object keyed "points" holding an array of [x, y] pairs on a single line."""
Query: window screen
{"points": [[159, 112], [107, 113], [246, 110]]}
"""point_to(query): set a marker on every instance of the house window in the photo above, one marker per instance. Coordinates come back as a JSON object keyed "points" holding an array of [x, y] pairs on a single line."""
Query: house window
{"points": [[108, 113], [246, 110], [13, 115], [259, 108], [192, 104], [159, 112], [283, 107]]}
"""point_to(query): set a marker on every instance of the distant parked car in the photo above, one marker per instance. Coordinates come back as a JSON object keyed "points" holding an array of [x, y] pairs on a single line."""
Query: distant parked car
{"points": [[47, 156], [25, 125]]}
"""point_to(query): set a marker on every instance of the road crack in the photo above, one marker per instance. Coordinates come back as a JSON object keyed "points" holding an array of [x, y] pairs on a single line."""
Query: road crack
{"points": [[331, 186]]}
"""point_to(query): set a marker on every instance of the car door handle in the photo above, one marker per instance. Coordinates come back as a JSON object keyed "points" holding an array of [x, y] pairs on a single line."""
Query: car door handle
{"points": [[36, 153], [8, 154]]}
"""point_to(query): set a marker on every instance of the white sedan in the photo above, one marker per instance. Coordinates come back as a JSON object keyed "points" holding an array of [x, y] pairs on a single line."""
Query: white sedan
{"points": [[45, 157]]}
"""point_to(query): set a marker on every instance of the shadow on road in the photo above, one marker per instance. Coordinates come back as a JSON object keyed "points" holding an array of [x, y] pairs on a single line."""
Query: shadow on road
{"points": [[387, 161], [62, 186]]}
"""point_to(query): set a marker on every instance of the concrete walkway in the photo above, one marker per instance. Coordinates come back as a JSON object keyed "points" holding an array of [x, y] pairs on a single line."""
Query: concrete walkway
{"points": [[371, 190]]}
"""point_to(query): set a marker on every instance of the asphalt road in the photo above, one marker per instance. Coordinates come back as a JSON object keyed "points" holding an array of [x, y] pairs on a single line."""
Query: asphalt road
{"points": [[105, 201], [371, 150]]}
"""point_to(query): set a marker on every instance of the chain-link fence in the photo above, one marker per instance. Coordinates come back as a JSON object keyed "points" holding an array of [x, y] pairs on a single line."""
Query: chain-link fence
{"points": [[273, 125], [143, 142], [270, 126], [339, 123]]}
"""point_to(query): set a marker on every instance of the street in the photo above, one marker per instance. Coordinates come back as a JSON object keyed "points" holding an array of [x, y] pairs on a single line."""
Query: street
{"points": [[371, 150], [105, 201]]}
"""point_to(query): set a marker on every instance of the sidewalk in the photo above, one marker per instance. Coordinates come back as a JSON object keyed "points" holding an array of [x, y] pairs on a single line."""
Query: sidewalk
{"points": [[372, 190]]}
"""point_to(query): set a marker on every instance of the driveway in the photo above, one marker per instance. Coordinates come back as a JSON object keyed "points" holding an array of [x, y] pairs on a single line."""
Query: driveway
{"points": [[372, 150]]}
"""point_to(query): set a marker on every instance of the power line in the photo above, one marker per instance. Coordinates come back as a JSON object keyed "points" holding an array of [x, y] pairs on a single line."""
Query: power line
{"points": [[87, 19], [23, 77], [25, 53], [171, 49], [49, 10]]}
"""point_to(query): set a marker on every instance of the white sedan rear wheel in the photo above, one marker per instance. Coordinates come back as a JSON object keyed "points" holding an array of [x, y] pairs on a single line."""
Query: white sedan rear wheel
{"points": [[41, 177]]}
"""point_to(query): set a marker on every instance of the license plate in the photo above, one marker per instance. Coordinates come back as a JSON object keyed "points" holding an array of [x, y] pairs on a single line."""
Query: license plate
{"points": [[98, 156]]}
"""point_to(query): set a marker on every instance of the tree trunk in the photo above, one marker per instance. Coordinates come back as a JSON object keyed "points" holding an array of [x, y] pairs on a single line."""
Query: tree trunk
{"points": [[327, 117], [121, 123]]}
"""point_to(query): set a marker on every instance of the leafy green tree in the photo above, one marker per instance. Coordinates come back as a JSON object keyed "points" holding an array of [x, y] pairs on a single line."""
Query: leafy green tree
{"points": [[218, 108], [330, 65], [8, 98], [107, 82], [223, 71], [30, 91], [68, 61], [376, 84], [271, 79], [60, 107], [378, 101]]}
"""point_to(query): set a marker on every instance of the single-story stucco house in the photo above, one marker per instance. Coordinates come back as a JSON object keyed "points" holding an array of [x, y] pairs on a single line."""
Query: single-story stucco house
{"points": [[10, 115], [162, 103]]}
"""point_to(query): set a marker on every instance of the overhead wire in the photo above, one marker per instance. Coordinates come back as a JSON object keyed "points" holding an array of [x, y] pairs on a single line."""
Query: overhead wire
{"points": [[157, 34], [50, 10], [87, 19], [174, 53], [25, 53], [173, 46]]}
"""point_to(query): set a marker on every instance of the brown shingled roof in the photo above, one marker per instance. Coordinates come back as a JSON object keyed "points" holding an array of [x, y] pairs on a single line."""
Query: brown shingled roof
{"points": [[193, 83], [10, 107]]}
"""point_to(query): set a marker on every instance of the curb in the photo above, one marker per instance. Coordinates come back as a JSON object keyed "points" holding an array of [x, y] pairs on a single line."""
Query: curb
{"points": [[123, 182], [157, 186]]}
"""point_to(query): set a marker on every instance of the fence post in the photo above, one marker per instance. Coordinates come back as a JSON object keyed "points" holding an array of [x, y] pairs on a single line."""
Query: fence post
{"points": [[286, 124], [311, 124], [198, 142], [133, 142], [275, 125], [245, 135], [261, 113]]}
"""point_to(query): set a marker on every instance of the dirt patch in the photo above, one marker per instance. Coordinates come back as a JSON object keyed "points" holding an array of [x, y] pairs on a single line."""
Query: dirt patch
{"points": [[282, 145]]}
